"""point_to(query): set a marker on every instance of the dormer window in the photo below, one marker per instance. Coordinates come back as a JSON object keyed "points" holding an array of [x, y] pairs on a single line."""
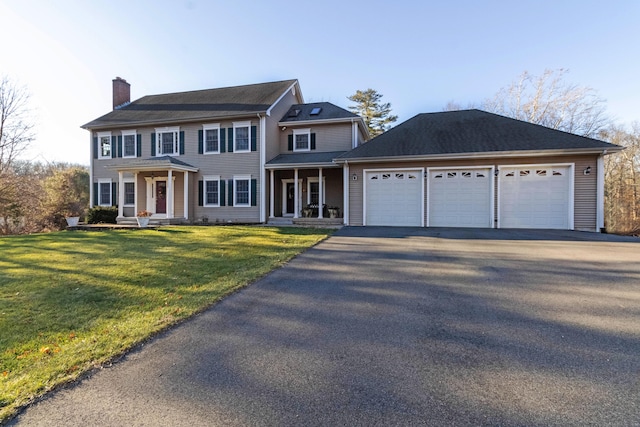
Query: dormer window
{"points": [[301, 140]]}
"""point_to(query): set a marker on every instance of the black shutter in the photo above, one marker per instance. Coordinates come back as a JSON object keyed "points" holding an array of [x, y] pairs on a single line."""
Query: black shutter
{"points": [[181, 142], [138, 145], [290, 143], [95, 147], [200, 193], [230, 140], [222, 192], [223, 140], [95, 194], [200, 141], [313, 141], [114, 146], [114, 195], [120, 146], [230, 198], [253, 139], [153, 144], [254, 192]]}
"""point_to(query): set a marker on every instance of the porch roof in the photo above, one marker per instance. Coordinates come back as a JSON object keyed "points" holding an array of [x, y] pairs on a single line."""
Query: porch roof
{"points": [[154, 163], [308, 160]]}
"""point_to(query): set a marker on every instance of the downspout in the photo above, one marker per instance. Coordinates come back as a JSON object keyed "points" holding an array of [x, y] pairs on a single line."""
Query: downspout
{"points": [[263, 171], [600, 192]]}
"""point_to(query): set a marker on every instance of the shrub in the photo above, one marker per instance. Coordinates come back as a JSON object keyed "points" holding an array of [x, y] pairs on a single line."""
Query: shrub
{"points": [[102, 215]]}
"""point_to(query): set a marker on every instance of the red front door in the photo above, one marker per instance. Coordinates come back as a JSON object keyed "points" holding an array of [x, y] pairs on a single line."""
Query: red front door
{"points": [[161, 197]]}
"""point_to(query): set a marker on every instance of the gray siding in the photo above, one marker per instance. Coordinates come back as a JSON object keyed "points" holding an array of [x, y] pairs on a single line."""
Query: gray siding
{"points": [[584, 185], [329, 137]]}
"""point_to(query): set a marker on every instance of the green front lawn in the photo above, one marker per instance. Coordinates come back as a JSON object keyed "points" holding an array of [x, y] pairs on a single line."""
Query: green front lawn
{"points": [[70, 301]]}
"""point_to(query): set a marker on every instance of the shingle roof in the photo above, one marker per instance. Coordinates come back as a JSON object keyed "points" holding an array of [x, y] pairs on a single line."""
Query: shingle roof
{"points": [[158, 162], [328, 111], [310, 158], [469, 131], [195, 105]]}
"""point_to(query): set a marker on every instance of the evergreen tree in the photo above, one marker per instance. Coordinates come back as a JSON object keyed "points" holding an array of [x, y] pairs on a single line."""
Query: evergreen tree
{"points": [[377, 116]]}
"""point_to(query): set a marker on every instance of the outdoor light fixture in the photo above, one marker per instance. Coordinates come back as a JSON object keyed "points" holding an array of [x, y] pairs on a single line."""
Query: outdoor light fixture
{"points": [[354, 177], [587, 171], [496, 172]]}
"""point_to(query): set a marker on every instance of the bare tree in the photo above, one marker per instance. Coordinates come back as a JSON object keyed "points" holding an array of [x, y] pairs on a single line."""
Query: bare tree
{"points": [[550, 101], [16, 128]]}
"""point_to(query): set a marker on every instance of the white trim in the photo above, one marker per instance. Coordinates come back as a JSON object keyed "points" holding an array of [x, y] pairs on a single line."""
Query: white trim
{"points": [[315, 179], [284, 194], [135, 143], [297, 132], [105, 181], [571, 167], [205, 179], [354, 134], [111, 147], [185, 197], [263, 171], [91, 205], [345, 186], [176, 141], [151, 194], [364, 190], [291, 88], [237, 178], [600, 193], [237, 125], [125, 181], [272, 186], [205, 128], [492, 178]]}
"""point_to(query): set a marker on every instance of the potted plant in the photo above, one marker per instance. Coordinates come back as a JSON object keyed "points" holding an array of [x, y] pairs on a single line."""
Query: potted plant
{"points": [[143, 218], [334, 211], [72, 213]]}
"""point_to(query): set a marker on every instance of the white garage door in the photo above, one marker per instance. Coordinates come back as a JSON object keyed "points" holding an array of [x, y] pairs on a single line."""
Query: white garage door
{"points": [[394, 197], [460, 198], [536, 196]]}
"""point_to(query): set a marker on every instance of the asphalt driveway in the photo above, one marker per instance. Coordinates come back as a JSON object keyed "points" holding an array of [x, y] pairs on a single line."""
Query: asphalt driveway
{"points": [[395, 326]]}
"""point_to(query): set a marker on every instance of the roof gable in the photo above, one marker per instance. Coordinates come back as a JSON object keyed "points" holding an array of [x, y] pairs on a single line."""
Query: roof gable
{"points": [[468, 132], [196, 105]]}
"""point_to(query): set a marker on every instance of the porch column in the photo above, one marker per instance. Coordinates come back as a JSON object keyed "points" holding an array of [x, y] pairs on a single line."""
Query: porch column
{"points": [[135, 194], [320, 194], [120, 194], [296, 208], [185, 196], [169, 196], [271, 193], [345, 192]]}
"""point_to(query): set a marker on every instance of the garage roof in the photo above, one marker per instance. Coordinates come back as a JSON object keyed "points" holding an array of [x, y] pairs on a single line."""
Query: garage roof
{"points": [[468, 132]]}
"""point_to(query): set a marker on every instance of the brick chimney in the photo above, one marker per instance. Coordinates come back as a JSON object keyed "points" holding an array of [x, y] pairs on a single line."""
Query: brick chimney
{"points": [[121, 92]]}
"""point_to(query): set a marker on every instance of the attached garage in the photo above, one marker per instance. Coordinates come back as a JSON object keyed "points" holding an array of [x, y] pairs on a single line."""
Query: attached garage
{"points": [[460, 197], [536, 196], [394, 197]]}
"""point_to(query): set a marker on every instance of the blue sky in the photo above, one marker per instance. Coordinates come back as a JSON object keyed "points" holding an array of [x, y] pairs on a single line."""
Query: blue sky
{"points": [[418, 54]]}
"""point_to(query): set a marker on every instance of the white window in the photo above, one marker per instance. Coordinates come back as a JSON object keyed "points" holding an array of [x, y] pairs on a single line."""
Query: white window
{"points": [[167, 141], [211, 138], [104, 145], [242, 190], [211, 189], [301, 140], [241, 137], [313, 191], [129, 192], [104, 192], [129, 143]]}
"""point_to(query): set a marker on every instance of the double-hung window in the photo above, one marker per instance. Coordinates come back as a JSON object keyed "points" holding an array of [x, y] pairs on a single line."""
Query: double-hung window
{"points": [[211, 185], [104, 192], [104, 145], [242, 190], [129, 193], [241, 137], [168, 141], [211, 138], [301, 140], [129, 143]]}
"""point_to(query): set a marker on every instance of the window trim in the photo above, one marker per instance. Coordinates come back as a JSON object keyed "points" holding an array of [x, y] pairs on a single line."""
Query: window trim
{"points": [[176, 140], [237, 178], [206, 179], [237, 125], [311, 180], [126, 181], [208, 127], [104, 135], [135, 143], [297, 132], [100, 182]]}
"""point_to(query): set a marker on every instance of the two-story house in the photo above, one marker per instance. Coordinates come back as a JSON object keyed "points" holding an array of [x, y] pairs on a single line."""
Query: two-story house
{"points": [[228, 155]]}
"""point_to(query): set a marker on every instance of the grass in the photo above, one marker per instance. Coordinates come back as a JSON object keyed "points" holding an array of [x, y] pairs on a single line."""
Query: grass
{"points": [[71, 301]]}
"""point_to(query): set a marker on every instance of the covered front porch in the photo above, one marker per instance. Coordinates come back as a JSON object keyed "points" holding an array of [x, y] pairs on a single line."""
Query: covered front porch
{"points": [[159, 186], [305, 188]]}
